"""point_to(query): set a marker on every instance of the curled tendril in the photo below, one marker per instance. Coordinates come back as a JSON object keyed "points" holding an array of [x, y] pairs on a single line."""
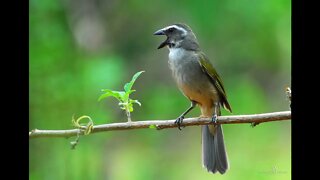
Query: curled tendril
{"points": [[87, 127]]}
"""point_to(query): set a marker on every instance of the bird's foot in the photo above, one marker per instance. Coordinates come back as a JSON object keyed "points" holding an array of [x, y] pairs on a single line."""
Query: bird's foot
{"points": [[179, 121], [214, 118]]}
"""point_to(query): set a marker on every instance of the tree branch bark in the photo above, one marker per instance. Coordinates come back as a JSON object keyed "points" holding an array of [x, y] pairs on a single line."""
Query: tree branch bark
{"points": [[163, 124]]}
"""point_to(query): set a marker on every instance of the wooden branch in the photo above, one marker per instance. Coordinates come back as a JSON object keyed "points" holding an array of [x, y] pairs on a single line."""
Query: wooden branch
{"points": [[163, 124]]}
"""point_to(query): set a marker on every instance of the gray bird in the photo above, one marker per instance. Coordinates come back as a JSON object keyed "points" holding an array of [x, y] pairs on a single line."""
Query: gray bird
{"points": [[201, 84]]}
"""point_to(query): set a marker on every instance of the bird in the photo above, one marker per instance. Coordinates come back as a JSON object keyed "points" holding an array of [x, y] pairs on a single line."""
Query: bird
{"points": [[199, 81]]}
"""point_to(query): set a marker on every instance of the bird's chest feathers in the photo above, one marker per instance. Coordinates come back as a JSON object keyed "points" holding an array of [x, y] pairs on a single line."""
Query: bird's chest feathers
{"points": [[189, 75], [183, 63], [184, 66], [176, 54], [180, 60]]}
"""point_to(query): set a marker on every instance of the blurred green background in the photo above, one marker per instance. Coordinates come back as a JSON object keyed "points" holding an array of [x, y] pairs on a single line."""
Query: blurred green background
{"points": [[78, 47]]}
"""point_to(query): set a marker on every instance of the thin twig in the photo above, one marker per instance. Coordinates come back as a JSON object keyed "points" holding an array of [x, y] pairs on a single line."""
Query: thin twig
{"points": [[163, 124]]}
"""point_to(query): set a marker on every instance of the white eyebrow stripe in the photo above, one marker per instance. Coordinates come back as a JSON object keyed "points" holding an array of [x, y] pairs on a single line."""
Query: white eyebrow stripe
{"points": [[177, 27]]}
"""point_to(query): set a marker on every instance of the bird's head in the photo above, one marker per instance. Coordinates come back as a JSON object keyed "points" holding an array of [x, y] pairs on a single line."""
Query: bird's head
{"points": [[178, 35]]}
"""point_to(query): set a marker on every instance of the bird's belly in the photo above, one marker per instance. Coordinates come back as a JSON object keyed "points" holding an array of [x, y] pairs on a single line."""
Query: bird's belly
{"points": [[203, 95], [191, 79], [195, 84]]}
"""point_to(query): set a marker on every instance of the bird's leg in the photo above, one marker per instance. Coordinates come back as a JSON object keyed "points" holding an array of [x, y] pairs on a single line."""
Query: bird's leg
{"points": [[181, 117], [215, 113]]}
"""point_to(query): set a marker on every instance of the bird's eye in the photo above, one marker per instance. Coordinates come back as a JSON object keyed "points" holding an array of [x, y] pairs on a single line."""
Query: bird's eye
{"points": [[171, 29]]}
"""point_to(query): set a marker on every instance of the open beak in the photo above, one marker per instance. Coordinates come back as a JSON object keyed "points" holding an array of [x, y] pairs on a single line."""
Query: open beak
{"points": [[161, 32]]}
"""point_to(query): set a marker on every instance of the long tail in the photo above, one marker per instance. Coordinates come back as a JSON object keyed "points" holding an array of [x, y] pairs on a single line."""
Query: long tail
{"points": [[214, 156]]}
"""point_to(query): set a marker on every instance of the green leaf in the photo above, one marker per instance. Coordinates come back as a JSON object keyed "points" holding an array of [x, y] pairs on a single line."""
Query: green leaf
{"points": [[122, 105], [135, 101], [130, 107], [153, 126], [128, 86], [117, 94], [125, 102], [130, 91]]}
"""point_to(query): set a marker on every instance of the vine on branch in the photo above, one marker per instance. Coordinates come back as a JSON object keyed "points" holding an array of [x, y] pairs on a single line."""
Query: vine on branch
{"points": [[82, 127]]}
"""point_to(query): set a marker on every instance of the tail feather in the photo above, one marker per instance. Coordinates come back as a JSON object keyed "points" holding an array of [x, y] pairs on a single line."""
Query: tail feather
{"points": [[208, 150], [222, 157], [214, 156]]}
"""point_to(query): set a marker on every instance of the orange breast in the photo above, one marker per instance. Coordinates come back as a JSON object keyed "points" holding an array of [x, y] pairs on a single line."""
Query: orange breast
{"points": [[204, 98]]}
